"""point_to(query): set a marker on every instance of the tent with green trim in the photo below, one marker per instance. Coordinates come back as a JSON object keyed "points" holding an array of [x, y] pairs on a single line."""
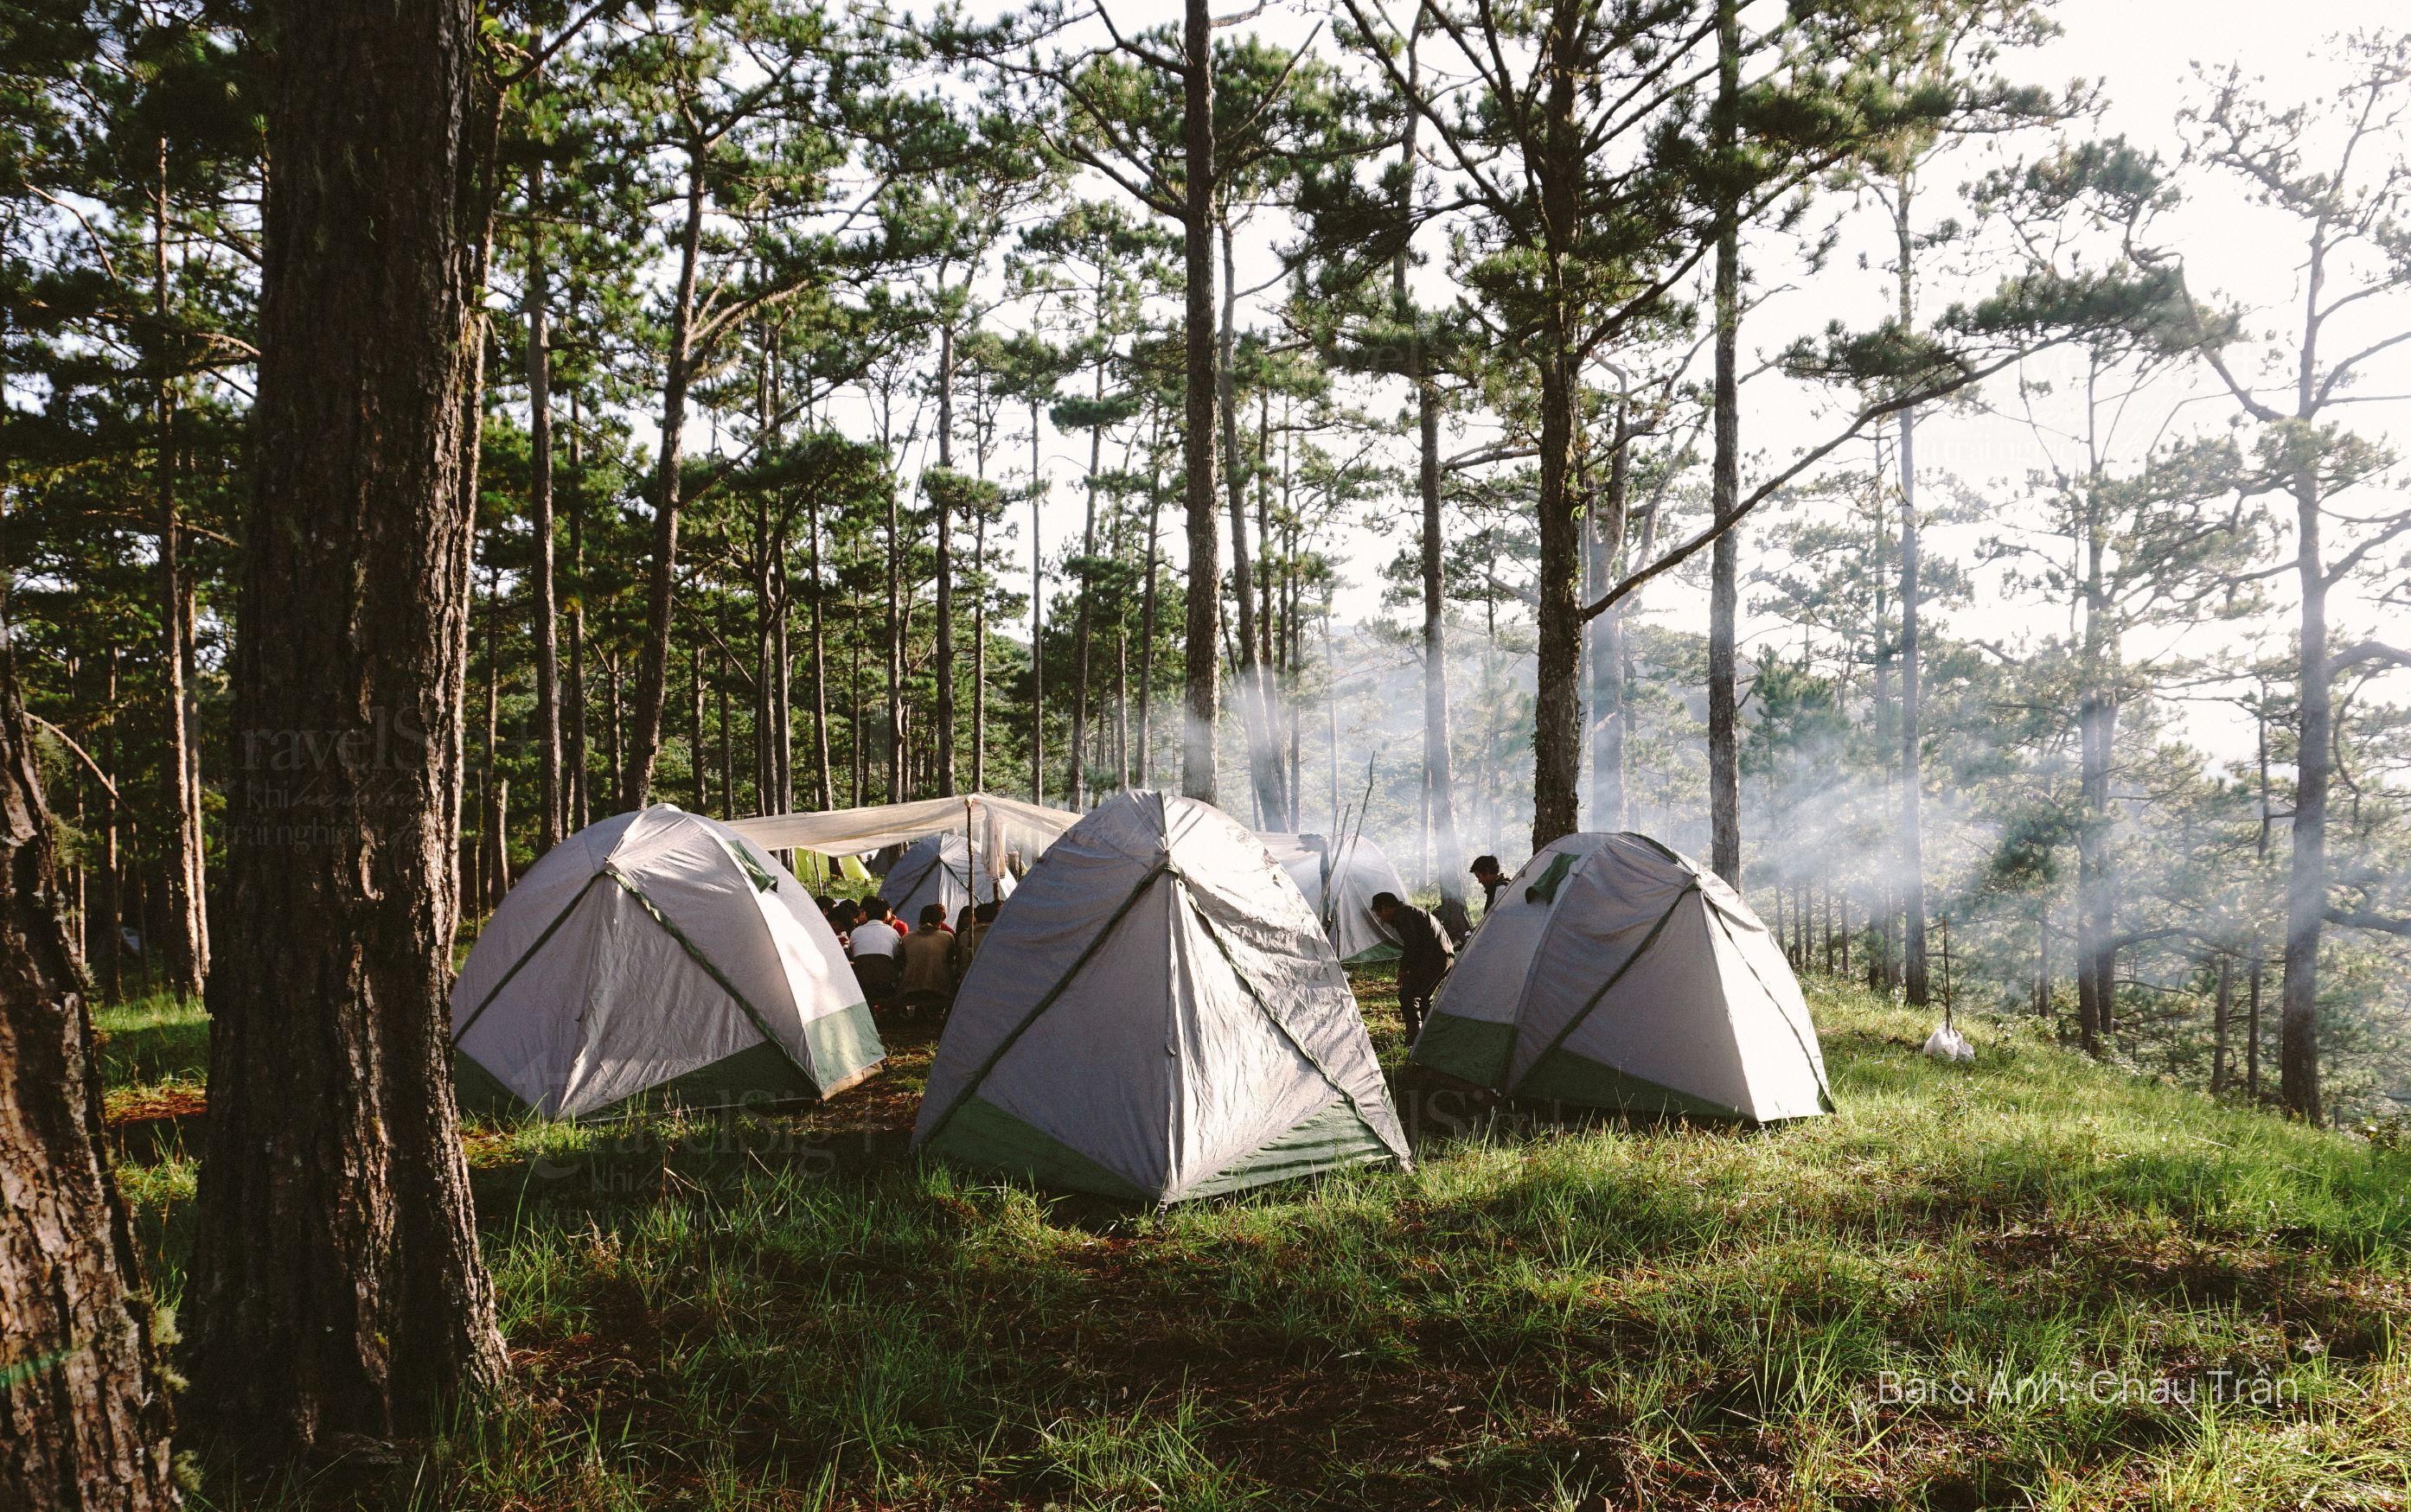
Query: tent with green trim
{"points": [[822, 872], [656, 958], [1156, 1016], [937, 868], [1340, 882], [1616, 973]]}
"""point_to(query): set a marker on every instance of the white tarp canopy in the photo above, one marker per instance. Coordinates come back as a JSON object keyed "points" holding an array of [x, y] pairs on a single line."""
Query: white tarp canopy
{"points": [[1339, 881], [938, 869], [1614, 972], [1156, 1016], [658, 956], [997, 829]]}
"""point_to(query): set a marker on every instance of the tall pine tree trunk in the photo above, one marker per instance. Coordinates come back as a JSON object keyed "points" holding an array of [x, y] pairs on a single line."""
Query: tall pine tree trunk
{"points": [[940, 500], [1607, 713], [1037, 618], [979, 649], [581, 809], [83, 1411], [1084, 620], [336, 1284], [1146, 632], [187, 938], [895, 646], [1248, 667], [1724, 585], [661, 579], [1556, 704], [823, 773], [1912, 837], [1201, 667], [2306, 883], [2096, 950], [542, 614]]}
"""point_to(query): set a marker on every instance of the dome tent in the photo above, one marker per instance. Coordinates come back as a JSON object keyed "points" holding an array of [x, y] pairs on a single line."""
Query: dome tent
{"points": [[1156, 1016], [1339, 883], [1617, 973], [656, 957], [937, 868]]}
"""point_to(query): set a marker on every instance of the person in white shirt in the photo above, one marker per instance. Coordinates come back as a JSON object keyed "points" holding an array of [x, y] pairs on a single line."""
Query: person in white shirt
{"points": [[875, 942]]}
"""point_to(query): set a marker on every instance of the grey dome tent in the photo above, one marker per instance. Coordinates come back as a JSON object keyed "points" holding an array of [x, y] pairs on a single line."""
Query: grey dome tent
{"points": [[937, 868], [1616, 973], [656, 957], [1340, 882], [1156, 1016]]}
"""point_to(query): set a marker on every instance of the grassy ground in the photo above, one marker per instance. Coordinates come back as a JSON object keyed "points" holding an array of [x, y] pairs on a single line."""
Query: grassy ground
{"points": [[2027, 1282]]}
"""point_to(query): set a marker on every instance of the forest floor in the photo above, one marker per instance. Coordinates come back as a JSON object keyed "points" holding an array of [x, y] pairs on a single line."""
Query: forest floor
{"points": [[2025, 1282]]}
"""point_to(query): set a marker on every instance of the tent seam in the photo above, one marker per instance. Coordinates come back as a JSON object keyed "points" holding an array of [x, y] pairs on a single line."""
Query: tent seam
{"points": [[1583, 1012], [979, 1076], [525, 956], [1816, 1061], [761, 1025], [1295, 1043]]}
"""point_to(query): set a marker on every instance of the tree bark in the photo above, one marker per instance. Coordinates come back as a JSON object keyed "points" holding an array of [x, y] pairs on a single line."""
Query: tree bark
{"points": [[895, 646], [2222, 1010], [1556, 706], [1199, 778], [580, 806], [1607, 693], [661, 582], [1084, 621], [2306, 882], [1724, 591], [1254, 709], [336, 1282], [979, 643], [544, 612], [1439, 762], [187, 940], [84, 1409], [945, 589], [1912, 838], [1037, 614], [821, 771]]}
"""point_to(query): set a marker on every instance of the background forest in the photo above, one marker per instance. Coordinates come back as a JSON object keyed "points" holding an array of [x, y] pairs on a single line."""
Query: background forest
{"points": [[1815, 438]]}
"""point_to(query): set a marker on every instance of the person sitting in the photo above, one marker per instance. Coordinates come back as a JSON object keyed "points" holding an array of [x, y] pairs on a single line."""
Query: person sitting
{"points": [[933, 920], [876, 942], [926, 968], [967, 944], [1424, 956]]}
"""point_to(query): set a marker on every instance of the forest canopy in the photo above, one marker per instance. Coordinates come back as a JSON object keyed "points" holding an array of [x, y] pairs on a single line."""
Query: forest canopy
{"points": [[1817, 437]]}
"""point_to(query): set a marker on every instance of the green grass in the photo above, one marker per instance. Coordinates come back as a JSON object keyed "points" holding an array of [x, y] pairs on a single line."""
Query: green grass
{"points": [[789, 1313], [155, 1041]]}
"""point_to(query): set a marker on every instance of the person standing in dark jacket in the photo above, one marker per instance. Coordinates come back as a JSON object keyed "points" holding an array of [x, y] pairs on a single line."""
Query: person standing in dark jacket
{"points": [[1424, 956]]}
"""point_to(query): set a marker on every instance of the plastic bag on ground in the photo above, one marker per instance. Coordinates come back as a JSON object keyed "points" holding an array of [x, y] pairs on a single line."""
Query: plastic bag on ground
{"points": [[1946, 1043]]}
